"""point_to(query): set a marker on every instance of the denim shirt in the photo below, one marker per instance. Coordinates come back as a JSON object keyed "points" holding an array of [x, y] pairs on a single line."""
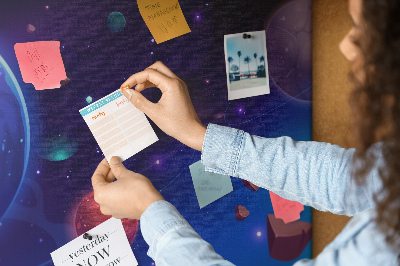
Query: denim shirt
{"points": [[312, 173]]}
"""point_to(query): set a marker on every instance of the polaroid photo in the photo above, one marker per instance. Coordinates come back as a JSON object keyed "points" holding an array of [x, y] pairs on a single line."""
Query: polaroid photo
{"points": [[246, 64]]}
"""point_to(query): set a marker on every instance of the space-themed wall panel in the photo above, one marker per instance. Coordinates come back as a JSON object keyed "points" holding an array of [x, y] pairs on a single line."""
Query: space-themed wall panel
{"points": [[48, 154]]}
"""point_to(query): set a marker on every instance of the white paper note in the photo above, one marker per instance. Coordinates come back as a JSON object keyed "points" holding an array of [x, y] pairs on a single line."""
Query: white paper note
{"points": [[108, 247], [118, 126]]}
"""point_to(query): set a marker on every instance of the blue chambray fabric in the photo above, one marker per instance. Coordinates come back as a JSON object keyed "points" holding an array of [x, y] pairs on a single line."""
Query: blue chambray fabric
{"points": [[313, 173]]}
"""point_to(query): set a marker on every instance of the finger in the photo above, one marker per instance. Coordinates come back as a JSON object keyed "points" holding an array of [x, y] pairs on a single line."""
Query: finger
{"points": [[104, 210], [157, 78], [143, 86], [139, 101], [160, 67], [99, 176], [110, 177], [117, 167]]}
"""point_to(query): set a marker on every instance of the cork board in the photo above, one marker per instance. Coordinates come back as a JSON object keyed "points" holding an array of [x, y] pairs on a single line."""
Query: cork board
{"points": [[331, 89]]}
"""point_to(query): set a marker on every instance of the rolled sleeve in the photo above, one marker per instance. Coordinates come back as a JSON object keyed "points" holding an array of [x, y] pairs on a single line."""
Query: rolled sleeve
{"points": [[221, 149]]}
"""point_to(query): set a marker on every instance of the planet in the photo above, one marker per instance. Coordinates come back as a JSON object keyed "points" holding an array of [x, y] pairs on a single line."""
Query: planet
{"points": [[57, 147], [88, 216], [116, 21], [89, 99], [14, 137], [289, 49]]}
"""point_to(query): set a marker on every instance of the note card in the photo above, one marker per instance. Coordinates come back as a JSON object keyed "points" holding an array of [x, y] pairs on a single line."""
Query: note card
{"points": [[284, 209], [118, 126], [164, 18], [41, 64], [108, 246], [209, 186]]}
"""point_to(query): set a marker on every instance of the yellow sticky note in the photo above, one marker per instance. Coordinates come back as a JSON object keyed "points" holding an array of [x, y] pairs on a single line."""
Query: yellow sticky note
{"points": [[164, 18]]}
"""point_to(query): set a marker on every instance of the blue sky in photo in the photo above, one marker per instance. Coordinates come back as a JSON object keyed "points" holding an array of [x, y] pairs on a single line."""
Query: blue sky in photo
{"points": [[248, 47]]}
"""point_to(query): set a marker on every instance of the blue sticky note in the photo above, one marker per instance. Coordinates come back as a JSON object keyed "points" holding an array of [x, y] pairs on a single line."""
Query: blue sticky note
{"points": [[209, 186]]}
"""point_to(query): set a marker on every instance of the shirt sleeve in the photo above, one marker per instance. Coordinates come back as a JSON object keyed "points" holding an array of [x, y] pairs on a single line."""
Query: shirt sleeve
{"points": [[313, 173], [171, 239]]}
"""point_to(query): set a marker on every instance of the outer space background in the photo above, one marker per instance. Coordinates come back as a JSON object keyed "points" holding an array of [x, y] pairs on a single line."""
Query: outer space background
{"points": [[48, 154]]}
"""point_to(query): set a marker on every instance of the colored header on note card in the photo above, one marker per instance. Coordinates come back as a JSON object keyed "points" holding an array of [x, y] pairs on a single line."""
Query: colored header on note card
{"points": [[100, 103]]}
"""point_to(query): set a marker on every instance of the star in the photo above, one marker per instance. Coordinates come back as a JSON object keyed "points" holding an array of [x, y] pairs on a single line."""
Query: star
{"points": [[38, 172], [258, 233]]}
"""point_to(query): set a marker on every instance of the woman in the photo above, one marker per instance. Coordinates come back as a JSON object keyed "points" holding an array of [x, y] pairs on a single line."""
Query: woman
{"points": [[320, 175]]}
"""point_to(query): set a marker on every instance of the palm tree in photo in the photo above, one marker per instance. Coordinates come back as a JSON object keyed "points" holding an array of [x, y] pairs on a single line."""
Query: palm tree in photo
{"points": [[247, 60], [230, 60], [255, 58], [239, 54], [262, 59]]}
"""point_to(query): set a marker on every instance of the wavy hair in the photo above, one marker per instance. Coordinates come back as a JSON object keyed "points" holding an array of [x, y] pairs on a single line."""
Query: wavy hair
{"points": [[375, 103]]}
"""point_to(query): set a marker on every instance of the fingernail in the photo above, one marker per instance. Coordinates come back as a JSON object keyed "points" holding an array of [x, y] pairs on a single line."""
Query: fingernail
{"points": [[127, 93], [115, 160]]}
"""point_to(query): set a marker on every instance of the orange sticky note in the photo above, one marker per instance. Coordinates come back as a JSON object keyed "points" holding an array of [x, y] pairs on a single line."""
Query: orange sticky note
{"points": [[41, 64], [284, 209], [164, 18]]}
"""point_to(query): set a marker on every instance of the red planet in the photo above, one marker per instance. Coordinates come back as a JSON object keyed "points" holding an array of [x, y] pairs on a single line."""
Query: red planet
{"points": [[88, 216]]}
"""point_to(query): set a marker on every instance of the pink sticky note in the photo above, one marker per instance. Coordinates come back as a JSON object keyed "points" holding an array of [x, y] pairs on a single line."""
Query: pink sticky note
{"points": [[284, 209], [41, 64]]}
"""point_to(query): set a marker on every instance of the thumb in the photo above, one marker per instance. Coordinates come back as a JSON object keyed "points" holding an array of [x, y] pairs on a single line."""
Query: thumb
{"points": [[138, 100], [117, 167]]}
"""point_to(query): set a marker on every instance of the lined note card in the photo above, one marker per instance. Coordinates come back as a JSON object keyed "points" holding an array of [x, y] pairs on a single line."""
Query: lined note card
{"points": [[118, 126]]}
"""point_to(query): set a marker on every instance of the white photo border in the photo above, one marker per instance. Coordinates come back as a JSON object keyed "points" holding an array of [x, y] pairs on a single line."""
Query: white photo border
{"points": [[248, 92]]}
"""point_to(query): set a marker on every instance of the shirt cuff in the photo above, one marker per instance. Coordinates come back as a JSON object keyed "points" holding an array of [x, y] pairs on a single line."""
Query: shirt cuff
{"points": [[221, 149], [158, 219]]}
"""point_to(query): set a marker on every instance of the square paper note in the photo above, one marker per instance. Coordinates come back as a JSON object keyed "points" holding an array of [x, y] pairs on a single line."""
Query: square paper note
{"points": [[118, 126], [209, 186]]}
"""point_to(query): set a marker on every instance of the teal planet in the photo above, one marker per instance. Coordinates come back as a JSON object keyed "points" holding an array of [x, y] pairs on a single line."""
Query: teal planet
{"points": [[116, 21], [57, 147]]}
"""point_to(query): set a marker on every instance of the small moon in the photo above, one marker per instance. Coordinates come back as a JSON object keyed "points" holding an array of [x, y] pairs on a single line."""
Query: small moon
{"points": [[116, 21]]}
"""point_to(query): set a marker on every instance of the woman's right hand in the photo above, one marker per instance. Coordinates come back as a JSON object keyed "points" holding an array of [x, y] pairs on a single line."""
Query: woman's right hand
{"points": [[174, 112]]}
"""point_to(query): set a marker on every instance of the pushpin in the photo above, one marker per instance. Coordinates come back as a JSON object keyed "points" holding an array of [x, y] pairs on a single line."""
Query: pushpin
{"points": [[88, 236], [246, 36], [125, 88]]}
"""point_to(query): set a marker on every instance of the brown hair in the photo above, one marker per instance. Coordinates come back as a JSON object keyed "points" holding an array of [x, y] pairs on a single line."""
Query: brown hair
{"points": [[375, 103]]}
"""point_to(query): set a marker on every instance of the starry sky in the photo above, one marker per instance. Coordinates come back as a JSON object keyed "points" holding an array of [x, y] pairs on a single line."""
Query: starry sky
{"points": [[98, 56]]}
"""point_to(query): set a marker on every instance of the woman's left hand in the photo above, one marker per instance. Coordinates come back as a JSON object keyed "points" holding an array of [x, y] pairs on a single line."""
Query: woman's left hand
{"points": [[127, 197]]}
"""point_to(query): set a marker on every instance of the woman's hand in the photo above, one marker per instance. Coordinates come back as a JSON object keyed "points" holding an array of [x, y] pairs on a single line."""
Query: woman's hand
{"points": [[173, 113], [127, 197]]}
